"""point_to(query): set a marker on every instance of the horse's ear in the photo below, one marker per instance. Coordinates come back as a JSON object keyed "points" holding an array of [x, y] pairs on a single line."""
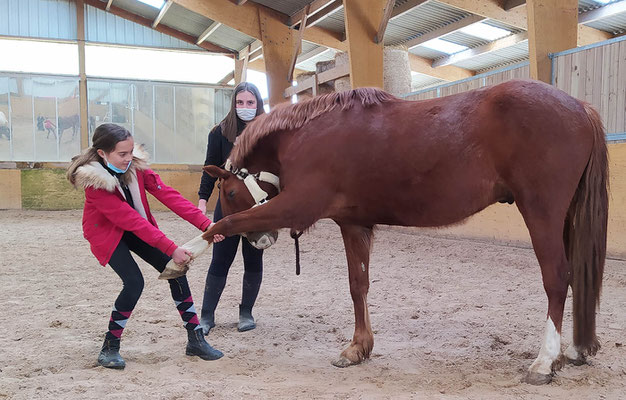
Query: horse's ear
{"points": [[216, 172]]}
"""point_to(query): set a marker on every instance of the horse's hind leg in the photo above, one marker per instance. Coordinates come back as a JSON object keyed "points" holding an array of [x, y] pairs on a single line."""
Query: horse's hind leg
{"points": [[545, 225], [357, 241]]}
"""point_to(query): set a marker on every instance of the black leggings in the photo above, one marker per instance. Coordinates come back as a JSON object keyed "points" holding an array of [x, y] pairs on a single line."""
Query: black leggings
{"points": [[224, 252], [124, 265]]}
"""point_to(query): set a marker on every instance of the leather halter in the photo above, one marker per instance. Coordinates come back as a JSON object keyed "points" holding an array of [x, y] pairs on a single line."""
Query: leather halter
{"points": [[252, 181]]}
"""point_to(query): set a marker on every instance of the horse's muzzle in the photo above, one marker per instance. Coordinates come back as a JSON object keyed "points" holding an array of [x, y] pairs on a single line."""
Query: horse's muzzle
{"points": [[262, 240]]}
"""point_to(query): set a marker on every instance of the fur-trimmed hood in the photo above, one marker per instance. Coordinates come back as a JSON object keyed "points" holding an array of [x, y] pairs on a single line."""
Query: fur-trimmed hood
{"points": [[94, 175]]}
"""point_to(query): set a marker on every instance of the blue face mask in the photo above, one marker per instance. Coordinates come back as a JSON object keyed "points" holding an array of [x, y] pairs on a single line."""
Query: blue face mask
{"points": [[115, 169]]}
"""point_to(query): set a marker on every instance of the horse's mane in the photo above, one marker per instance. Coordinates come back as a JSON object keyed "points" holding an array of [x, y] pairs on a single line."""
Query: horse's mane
{"points": [[294, 116]]}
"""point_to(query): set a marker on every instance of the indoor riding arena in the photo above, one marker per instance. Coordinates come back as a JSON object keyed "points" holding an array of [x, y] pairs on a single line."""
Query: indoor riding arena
{"points": [[459, 301]]}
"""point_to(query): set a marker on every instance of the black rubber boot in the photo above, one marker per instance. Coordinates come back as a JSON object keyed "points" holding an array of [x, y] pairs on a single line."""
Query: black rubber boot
{"points": [[212, 292], [197, 346], [249, 293], [109, 356]]}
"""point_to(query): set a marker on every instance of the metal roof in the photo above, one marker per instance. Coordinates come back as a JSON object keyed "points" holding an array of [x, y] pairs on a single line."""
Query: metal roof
{"points": [[55, 19]]}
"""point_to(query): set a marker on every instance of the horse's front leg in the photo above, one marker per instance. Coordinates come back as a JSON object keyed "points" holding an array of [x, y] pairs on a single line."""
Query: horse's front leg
{"points": [[357, 241]]}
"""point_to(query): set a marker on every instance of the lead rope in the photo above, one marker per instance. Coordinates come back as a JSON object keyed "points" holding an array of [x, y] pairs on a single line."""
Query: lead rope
{"points": [[295, 235]]}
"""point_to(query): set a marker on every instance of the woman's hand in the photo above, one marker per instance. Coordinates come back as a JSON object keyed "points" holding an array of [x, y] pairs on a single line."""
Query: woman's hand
{"points": [[202, 205], [218, 237], [181, 256]]}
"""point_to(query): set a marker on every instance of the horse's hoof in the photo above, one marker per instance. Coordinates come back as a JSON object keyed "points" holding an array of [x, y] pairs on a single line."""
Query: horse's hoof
{"points": [[342, 362], [581, 360], [535, 378]]}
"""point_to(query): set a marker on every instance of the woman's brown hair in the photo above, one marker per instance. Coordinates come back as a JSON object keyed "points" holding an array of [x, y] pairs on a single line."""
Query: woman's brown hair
{"points": [[230, 124]]}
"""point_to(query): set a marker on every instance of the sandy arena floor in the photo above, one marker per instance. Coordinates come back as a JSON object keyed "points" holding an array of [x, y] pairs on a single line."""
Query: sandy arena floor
{"points": [[453, 319]]}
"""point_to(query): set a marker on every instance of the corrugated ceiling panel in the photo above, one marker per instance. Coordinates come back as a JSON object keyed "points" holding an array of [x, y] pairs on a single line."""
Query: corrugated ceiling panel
{"points": [[333, 22], [509, 55], [616, 24], [108, 28], [50, 19], [137, 7], [424, 18], [186, 21], [464, 39], [426, 52], [227, 37], [288, 7]]}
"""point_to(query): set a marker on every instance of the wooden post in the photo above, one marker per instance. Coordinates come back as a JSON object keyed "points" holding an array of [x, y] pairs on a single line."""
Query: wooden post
{"points": [[552, 27], [363, 18], [82, 83], [278, 45]]}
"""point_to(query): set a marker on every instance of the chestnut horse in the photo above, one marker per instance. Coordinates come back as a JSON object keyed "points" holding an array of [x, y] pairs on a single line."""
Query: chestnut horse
{"points": [[364, 157]]}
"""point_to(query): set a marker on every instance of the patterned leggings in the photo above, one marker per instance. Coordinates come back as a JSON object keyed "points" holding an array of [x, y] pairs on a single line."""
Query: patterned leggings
{"points": [[125, 266]]}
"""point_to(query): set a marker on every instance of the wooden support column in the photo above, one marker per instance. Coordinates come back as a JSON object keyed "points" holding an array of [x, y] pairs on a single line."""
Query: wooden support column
{"points": [[82, 83], [241, 69], [552, 27], [278, 45], [366, 57]]}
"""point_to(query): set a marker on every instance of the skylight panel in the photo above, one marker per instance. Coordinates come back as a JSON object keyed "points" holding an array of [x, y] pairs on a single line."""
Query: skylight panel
{"points": [[485, 31], [154, 3], [444, 46]]}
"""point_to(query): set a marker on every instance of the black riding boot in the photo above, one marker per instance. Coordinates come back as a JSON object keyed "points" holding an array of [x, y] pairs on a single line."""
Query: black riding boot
{"points": [[197, 346], [249, 293], [109, 356], [212, 292]]}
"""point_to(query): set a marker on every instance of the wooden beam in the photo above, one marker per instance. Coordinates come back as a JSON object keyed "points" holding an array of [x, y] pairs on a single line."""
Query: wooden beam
{"points": [[297, 44], [278, 44], [310, 54], [241, 68], [323, 14], [208, 31], [552, 27], [511, 4], [82, 76], [455, 26], [162, 13], [606, 11], [109, 4], [378, 38], [120, 12], [366, 57], [406, 7], [315, 7], [449, 73], [245, 19], [253, 47], [227, 78], [486, 48]]}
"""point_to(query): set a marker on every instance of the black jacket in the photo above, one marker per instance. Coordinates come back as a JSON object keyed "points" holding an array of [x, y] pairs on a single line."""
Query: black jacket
{"points": [[217, 151]]}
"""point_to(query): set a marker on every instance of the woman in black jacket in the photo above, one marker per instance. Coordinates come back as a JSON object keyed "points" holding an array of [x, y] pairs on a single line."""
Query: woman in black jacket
{"points": [[246, 105]]}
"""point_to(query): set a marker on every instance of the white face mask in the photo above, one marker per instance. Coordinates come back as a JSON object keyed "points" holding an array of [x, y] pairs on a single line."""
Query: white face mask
{"points": [[246, 114]]}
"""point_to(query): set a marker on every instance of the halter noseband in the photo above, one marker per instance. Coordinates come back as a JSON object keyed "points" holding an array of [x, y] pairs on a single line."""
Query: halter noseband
{"points": [[251, 181]]}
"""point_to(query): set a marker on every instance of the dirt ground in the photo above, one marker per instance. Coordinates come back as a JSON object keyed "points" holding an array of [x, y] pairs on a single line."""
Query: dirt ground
{"points": [[453, 319]]}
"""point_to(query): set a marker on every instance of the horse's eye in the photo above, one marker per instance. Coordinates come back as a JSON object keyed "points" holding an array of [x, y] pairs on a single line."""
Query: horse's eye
{"points": [[231, 194]]}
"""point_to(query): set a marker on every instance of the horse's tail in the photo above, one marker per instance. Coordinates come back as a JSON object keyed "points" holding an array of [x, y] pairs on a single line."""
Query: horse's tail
{"points": [[585, 238]]}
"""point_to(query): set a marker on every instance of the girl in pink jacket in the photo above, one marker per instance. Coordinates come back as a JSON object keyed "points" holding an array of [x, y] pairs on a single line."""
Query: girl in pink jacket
{"points": [[117, 220]]}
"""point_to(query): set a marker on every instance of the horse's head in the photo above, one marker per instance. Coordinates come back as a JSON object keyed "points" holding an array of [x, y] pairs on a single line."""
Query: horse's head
{"points": [[241, 190]]}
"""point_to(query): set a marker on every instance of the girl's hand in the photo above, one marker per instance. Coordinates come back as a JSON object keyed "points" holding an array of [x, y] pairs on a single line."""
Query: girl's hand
{"points": [[181, 256], [218, 237]]}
